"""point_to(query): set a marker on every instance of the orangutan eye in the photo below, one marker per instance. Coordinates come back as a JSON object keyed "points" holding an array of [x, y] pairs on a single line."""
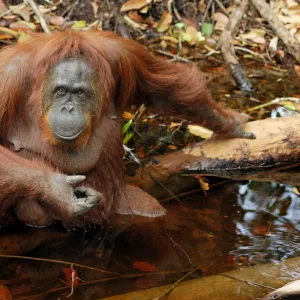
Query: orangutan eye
{"points": [[79, 92], [61, 91]]}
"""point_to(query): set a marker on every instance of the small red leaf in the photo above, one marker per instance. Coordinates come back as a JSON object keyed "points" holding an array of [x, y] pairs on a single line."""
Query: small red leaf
{"points": [[5, 293], [144, 266], [69, 274], [260, 230]]}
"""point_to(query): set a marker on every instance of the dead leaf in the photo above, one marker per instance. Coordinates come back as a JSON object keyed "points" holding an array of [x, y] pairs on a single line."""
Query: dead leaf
{"points": [[144, 10], [204, 185], [203, 182], [127, 115], [8, 31], [191, 35], [57, 20], [296, 191], [170, 39], [23, 26], [135, 24], [291, 3], [5, 293], [134, 4], [144, 266], [252, 34], [256, 35], [290, 19], [164, 22], [5, 37], [259, 40], [172, 147], [140, 152], [133, 15], [23, 12], [202, 6], [221, 21], [200, 131], [95, 8], [71, 276]]}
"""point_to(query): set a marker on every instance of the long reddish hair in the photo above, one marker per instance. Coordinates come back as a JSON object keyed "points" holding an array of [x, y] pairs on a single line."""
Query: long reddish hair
{"points": [[126, 70]]}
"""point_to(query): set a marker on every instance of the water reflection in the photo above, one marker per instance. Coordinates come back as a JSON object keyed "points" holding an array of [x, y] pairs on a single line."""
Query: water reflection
{"points": [[268, 229]]}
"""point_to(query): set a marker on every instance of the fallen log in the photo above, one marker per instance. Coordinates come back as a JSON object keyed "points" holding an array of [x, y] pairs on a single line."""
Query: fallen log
{"points": [[276, 145]]}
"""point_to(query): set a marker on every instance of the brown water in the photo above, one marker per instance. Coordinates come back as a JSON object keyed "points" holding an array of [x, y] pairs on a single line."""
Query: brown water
{"points": [[236, 225]]}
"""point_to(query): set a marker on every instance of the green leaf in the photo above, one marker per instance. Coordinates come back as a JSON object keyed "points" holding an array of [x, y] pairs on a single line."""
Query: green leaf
{"points": [[126, 126], [200, 37], [179, 25], [290, 106], [79, 25], [207, 28], [185, 37], [127, 137]]}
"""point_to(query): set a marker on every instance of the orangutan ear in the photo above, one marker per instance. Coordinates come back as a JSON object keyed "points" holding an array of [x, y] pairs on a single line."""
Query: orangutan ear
{"points": [[141, 207]]}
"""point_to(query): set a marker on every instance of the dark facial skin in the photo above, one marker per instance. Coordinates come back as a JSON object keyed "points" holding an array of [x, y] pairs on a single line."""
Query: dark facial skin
{"points": [[70, 98]]}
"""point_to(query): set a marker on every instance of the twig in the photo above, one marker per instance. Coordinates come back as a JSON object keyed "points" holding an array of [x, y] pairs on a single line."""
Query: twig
{"points": [[207, 9], [175, 57], [178, 246], [35, 9], [248, 282], [250, 51], [174, 285], [72, 281], [220, 4], [171, 5], [121, 27], [194, 191], [58, 262], [40, 296], [75, 3], [135, 159], [275, 101], [226, 45], [134, 24]]}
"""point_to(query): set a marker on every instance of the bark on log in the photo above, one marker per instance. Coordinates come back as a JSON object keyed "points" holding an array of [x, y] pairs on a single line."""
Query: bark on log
{"points": [[276, 144]]}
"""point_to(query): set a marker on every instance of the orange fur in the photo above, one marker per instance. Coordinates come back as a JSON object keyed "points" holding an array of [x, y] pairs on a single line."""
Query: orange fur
{"points": [[126, 74]]}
